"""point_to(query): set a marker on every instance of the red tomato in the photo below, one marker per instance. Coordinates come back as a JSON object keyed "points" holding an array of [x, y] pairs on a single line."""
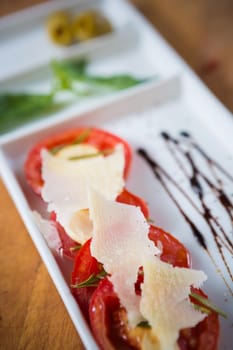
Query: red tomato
{"points": [[68, 244], [130, 198], [100, 139], [202, 337], [84, 266], [173, 251], [104, 304]]}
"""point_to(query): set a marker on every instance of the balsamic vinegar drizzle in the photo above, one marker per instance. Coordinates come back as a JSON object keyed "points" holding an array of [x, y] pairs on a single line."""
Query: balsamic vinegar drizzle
{"points": [[184, 146]]}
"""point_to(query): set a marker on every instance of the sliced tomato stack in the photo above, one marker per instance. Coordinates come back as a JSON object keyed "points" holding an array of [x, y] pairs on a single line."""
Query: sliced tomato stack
{"points": [[92, 290], [100, 139], [105, 310]]}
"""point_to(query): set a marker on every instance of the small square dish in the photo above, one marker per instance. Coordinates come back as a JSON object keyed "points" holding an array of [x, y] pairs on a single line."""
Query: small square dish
{"points": [[53, 82], [25, 41]]}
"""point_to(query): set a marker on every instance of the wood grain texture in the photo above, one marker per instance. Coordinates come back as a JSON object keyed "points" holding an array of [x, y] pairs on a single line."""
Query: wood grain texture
{"points": [[201, 31], [32, 315]]}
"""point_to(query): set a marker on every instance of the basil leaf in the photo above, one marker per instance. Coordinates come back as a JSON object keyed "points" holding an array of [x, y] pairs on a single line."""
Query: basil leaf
{"points": [[74, 76], [19, 108]]}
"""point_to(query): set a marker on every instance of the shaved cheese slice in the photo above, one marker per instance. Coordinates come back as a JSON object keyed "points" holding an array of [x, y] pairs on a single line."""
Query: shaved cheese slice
{"points": [[165, 300], [49, 232], [120, 241], [80, 222], [72, 151], [66, 182], [150, 341]]}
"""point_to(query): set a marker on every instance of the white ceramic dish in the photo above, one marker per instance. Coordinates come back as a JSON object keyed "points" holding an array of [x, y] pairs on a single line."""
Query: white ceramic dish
{"points": [[130, 49], [25, 44], [175, 104]]}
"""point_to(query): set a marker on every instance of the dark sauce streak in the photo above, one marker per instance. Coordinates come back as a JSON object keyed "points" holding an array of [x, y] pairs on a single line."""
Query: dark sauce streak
{"points": [[197, 188], [222, 196], [212, 162], [156, 168], [226, 204], [196, 178]]}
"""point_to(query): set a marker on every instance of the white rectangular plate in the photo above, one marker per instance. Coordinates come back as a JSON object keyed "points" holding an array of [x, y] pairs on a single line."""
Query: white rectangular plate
{"points": [[176, 104]]}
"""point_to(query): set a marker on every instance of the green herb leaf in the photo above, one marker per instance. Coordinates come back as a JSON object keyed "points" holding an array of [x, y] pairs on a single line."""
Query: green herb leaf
{"points": [[70, 68], [56, 149], [115, 82], [144, 324], [207, 306], [18, 108], [82, 137], [91, 155], [76, 247], [202, 309], [150, 221], [73, 76], [66, 72], [91, 281]]}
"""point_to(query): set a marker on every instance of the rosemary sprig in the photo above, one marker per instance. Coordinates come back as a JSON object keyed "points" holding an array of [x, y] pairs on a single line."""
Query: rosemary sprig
{"points": [[202, 309], [80, 139], [56, 149], [207, 306], [144, 324], [150, 221], [75, 247], [91, 281]]}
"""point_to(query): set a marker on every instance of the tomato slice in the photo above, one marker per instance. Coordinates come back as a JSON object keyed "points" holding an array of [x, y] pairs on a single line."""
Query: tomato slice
{"points": [[98, 138], [205, 335], [130, 198], [84, 267], [68, 245], [173, 251], [105, 305]]}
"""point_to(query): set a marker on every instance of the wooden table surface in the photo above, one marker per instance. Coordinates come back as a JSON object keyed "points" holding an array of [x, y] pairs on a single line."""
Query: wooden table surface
{"points": [[32, 315]]}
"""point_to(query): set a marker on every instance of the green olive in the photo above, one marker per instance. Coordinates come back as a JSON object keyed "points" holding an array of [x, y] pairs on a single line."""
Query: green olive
{"points": [[90, 24], [59, 28]]}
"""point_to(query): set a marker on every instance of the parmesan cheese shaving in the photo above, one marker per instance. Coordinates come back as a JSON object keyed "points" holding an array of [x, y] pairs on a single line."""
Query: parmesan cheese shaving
{"points": [[165, 300], [66, 182], [120, 242], [48, 231], [68, 152]]}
